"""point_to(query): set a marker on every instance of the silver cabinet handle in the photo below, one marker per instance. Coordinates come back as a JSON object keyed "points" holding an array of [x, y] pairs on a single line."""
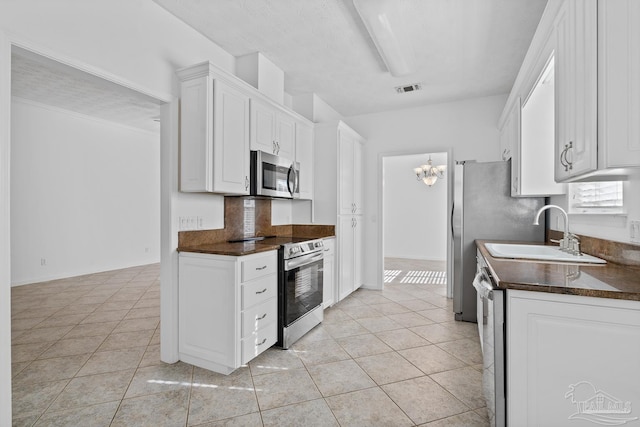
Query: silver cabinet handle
{"points": [[273, 144], [264, 340], [261, 268], [261, 292], [246, 183], [261, 317], [566, 156], [568, 165]]}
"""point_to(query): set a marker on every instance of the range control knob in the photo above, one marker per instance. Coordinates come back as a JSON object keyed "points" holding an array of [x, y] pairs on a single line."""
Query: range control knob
{"points": [[318, 245], [294, 250]]}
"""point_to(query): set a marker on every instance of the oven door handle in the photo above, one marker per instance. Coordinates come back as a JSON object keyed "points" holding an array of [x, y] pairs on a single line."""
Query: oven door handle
{"points": [[303, 260]]}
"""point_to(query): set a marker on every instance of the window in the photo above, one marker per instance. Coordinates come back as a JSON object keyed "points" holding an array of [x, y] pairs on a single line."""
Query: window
{"points": [[596, 197]]}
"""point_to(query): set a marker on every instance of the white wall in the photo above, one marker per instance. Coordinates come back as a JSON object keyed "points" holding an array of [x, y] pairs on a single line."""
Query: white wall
{"points": [[415, 215], [5, 231], [85, 194], [468, 127]]}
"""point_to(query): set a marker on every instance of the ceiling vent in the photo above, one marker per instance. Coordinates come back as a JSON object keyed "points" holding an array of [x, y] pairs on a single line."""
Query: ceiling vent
{"points": [[409, 88]]}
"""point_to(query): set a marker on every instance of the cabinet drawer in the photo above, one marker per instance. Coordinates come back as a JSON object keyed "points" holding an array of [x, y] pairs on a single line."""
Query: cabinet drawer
{"points": [[259, 290], [257, 267], [259, 341], [255, 318]]}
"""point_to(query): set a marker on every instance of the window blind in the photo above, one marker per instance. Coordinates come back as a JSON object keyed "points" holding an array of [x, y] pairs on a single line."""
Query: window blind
{"points": [[596, 197]]}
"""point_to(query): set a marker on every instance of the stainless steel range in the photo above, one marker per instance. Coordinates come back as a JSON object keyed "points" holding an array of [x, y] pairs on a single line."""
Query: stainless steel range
{"points": [[299, 289]]}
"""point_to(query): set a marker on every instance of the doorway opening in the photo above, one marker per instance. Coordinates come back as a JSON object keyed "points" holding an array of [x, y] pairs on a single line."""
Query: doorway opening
{"points": [[415, 241], [85, 198]]}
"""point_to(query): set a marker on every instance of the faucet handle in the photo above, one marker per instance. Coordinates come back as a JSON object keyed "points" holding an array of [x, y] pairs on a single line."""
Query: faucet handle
{"points": [[573, 244]]}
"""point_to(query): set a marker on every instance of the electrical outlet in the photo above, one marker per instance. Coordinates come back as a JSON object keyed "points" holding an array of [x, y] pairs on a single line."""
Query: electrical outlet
{"points": [[186, 223], [634, 231]]}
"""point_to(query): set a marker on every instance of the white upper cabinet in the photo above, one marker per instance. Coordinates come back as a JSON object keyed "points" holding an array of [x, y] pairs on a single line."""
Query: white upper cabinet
{"points": [[214, 133], [536, 158], [595, 48], [527, 124], [507, 138], [619, 83], [510, 139], [304, 155], [576, 85], [272, 130], [598, 90], [350, 170]]}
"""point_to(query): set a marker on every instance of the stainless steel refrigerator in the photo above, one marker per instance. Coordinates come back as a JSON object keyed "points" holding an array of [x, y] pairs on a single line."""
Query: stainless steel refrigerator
{"points": [[484, 209]]}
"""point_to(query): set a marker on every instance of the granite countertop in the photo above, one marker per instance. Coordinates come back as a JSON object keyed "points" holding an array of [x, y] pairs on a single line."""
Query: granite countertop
{"points": [[610, 280], [233, 249], [242, 248]]}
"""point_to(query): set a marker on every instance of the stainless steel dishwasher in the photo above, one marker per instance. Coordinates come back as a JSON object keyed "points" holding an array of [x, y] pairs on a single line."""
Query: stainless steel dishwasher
{"points": [[491, 327]]}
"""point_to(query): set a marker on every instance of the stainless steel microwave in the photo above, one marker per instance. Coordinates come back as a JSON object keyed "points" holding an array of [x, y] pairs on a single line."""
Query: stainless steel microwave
{"points": [[274, 176]]}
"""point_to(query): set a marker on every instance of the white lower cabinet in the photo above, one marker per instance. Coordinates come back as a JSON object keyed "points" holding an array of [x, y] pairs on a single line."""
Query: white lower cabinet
{"points": [[227, 308], [572, 360], [350, 250], [329, 273]]}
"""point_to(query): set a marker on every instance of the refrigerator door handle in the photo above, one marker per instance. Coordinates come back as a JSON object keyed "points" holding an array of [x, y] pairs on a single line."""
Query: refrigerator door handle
{"points": [[453, 207]]}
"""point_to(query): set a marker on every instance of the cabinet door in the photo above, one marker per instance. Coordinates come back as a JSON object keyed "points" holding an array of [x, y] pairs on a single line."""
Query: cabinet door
{"points": [[328, 276], [511, 132], [357, 177], [576, 89], [196, 135], [263, 127], [345, 183], [201, 305], [346, 258], [304, 155], [619, 83], [505, 141], [231, 140], [569, 353], [285, 136]]}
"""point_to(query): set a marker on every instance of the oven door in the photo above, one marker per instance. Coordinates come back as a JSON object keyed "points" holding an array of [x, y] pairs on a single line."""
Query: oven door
{"points": [[274, 176], [302, 286]]}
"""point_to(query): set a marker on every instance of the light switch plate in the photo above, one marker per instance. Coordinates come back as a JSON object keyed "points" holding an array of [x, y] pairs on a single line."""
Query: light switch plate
{"points": [[634, 231]]}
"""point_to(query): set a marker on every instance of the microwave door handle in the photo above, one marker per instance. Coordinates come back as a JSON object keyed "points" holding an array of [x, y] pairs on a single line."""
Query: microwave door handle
{"points": [[292, 184]]}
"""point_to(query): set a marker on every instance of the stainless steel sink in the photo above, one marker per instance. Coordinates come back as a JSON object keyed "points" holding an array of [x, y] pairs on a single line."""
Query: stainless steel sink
{"points": [[538, 252]]}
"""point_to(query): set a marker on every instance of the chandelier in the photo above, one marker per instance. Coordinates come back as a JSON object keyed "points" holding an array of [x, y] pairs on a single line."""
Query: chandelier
{"points": [[428, 173]]}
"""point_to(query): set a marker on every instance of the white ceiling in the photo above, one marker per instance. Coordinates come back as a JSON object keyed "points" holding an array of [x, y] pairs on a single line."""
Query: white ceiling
{"points": [[49, 82], [463, 48]]}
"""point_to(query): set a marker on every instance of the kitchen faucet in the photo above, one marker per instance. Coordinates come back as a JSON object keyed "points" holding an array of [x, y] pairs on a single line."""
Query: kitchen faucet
{"points": [[570, 242]]}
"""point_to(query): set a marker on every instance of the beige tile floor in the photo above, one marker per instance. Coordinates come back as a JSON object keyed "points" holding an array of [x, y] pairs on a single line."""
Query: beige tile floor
{"points": [[86, 353]]}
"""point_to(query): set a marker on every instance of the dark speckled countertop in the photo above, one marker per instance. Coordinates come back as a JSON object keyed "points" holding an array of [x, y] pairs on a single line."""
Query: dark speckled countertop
{"points": [[232, 249], [604, 281], [243, 248]]}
